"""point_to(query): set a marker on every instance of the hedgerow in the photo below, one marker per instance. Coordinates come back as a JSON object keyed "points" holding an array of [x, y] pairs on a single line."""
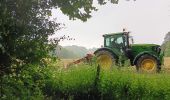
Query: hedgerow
{"points": [[83, 82]]}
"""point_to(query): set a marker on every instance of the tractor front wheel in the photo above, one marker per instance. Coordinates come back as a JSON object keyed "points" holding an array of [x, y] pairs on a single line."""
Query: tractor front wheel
{"points": [[105, 59], [147, 63]]}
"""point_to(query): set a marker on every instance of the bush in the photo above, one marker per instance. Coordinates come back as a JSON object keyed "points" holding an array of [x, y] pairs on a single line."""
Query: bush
{"points": [[26, 84]]}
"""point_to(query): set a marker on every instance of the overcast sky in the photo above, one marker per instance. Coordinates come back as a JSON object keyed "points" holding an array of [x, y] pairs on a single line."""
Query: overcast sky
{"points": [[148, 21]]}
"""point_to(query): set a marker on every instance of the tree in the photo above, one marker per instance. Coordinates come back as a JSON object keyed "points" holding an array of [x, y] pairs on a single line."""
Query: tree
{"points": [[25, 27], [166, 45]]}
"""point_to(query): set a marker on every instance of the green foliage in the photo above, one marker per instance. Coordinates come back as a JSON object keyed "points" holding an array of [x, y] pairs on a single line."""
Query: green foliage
{"points": [[167, 37], [26, 84], [126, 85], [24, 31], [166, 45], [25, 27], [78, 9], [167, 50], [79, 82]]}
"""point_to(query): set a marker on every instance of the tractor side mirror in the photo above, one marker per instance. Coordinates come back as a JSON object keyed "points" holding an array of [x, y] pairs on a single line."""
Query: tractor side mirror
{"points": [[131, 41]]}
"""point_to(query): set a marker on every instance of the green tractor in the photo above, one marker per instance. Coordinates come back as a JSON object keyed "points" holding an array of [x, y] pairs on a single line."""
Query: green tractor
{"points": [[119, 47]]}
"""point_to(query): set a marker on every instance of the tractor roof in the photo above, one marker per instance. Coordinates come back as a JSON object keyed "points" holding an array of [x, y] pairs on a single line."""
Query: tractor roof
{"points": [[110, 34]]}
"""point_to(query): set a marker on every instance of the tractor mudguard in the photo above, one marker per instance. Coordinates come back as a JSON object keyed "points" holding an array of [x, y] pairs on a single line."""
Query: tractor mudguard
{"points": [[146, 52], [107, 49]]}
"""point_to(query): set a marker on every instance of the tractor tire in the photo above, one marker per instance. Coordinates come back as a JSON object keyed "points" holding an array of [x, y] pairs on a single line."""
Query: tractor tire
{"points": [[105, 59], [147, 63]]}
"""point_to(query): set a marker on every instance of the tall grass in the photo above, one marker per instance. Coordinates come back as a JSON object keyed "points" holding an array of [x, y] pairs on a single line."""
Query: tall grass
{"points": [[83, 82], [79, 83]]}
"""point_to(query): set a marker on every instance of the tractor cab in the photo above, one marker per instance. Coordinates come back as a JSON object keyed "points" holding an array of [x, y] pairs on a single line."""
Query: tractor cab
{"points": [[119, 41]]}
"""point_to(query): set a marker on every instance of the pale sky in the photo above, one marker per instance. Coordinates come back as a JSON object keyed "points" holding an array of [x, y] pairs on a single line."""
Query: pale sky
{"points": [[148, 21]]}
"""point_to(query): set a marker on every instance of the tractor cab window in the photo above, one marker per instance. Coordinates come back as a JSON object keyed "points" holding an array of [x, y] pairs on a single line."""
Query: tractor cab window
{"points": [[119, 40], [116, 42], [107, 42]]}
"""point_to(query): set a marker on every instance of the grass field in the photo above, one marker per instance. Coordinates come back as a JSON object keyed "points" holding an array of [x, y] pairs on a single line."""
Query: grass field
{"points": [[82, 82]]}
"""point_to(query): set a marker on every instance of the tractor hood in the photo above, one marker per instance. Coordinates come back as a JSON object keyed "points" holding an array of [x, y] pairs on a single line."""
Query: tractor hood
{"points": [[144, 45], [139, 48]]}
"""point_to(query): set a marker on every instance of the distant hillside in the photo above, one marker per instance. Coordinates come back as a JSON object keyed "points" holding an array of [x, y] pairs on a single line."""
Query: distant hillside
{"points": [[166, 45], [79, 50], [71, 52], [62, 52]]}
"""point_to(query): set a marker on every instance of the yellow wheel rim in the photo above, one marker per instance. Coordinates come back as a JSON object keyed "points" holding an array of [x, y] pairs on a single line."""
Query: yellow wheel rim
{"points": [[105, 61], [148, 64]]}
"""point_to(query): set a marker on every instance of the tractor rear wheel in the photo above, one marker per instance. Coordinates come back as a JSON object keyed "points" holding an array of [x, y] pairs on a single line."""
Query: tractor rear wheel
{"points": [[105, 59], [147, 63]]}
